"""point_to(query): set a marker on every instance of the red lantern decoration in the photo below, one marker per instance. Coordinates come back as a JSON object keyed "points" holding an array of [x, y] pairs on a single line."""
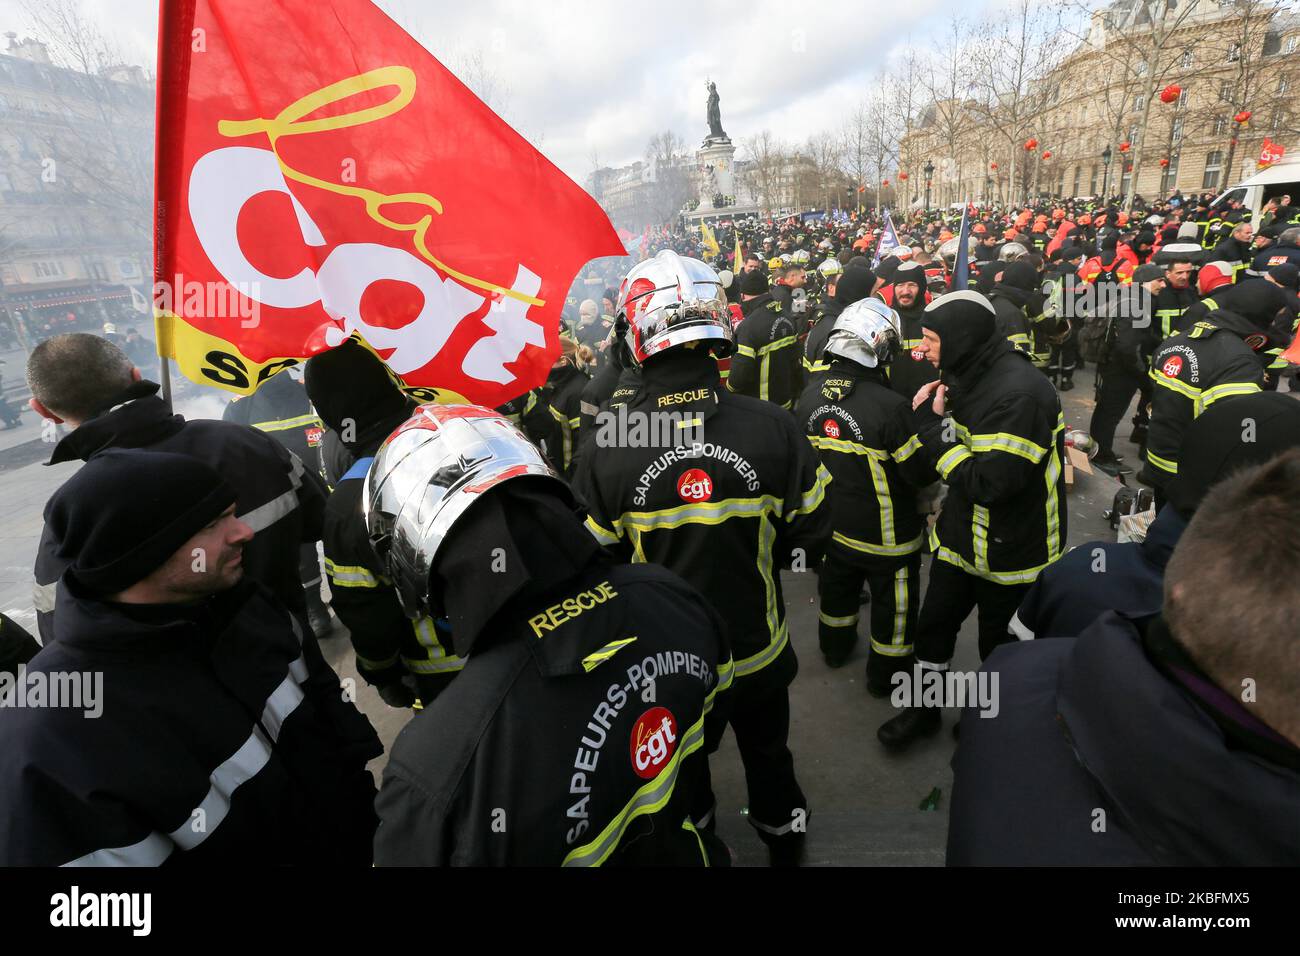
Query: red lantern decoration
{"points": [[993, 165], [1125, 146], [1047, 154], [1242, 116], [1164, 163], [1234, 141], [1031, 145], [885, 183], [1170, 93], [903, 176]]}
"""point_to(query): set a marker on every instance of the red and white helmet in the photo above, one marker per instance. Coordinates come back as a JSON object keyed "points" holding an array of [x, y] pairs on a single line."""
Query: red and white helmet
{"points": [[671, 300]]}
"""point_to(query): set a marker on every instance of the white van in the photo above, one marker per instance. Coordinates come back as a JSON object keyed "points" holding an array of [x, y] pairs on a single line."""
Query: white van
{"points": [[1279, 179]]}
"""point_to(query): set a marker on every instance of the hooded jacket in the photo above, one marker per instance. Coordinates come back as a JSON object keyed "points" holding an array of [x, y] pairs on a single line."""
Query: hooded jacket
{"points": [[1190, 371], [1004, 518], [725, 511], [1118, 720], [223, 738], [280, 499], [1019, 305], [479, 779]]}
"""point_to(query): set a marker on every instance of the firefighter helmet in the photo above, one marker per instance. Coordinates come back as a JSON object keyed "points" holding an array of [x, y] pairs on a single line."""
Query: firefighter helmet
{"points": [[427, 474], [671, 300], [867, 332]]}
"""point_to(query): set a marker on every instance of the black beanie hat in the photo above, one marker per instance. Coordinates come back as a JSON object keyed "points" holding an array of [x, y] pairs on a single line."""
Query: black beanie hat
{"points": [[351, 382], [1020, 275], [910, 272], [1216, 443], [120, 517], [855, 285], [964, 321], [753, 283]]}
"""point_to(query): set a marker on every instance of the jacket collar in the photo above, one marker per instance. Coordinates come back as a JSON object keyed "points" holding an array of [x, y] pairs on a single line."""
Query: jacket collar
{"points": [[756, 303], [141, 422]]}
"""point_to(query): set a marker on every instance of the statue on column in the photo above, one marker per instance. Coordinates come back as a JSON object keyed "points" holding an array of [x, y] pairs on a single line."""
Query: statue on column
{"points": [[715, 114]]}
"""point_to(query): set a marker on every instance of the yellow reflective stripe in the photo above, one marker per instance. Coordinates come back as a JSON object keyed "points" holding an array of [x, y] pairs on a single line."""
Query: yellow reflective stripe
{"points": [[442, 665], [813, 365], [302, 421], [1019, 338], [1210, 305], [775, 625], [1005, 441], [370, 665], [979, 529], [706, 513], [1164, 464], [829, 621], [1217, 392], [689, 827], [726, 674], [1174, 385], [567, 425], [822, 443], [813, 497], [901, 599], [867, 547], [651, 797], [891, 650], [350, 576], [596, 658], [950, 459], [745, 350], [1050, 476], [599, 533], [1026, 576], [778, 345], [437, 661], [884, 502], [906, 450]]}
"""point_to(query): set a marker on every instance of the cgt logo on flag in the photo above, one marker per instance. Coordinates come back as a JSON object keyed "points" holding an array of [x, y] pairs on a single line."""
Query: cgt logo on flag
{"points": [[323, 165]]}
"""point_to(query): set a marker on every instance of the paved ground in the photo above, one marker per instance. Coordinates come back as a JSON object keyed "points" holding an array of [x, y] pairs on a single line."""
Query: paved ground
{"points": [[865, 804]]}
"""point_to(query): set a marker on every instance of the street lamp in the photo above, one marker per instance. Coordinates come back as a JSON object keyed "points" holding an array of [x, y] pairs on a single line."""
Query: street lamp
{"points": [[1105, 175], [929, 172]]}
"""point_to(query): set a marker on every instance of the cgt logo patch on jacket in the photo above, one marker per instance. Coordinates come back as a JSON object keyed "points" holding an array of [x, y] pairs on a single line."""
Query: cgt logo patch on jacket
{"points": [[654, 740], [1173, 365], [695, 485], [831, 428]]}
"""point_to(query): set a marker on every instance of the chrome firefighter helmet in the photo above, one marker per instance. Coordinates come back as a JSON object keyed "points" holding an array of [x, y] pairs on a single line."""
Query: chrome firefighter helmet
{"points": [[948, 253], [867, 332], [1011, 251], [427, 474], [671, 300], [831, 267]]}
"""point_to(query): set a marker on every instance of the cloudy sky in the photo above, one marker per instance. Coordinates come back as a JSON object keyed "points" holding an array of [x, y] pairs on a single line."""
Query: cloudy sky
{"points": [[586, 80]]}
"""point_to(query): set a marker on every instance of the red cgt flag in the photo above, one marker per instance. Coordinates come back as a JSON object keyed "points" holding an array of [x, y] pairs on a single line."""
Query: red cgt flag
{"points": [[320, 175]]}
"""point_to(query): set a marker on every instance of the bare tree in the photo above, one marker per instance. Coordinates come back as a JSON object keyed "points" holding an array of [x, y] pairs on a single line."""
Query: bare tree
{"points": [[767, 157], [1010, 55], [947, 80]]}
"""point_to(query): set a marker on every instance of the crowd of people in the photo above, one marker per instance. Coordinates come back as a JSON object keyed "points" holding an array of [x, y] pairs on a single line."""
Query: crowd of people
{"points": [[574, 612]]}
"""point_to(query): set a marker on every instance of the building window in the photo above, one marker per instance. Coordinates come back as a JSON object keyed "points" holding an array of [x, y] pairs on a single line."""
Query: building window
{"points": [[1290, 45], [1213, 167], [1125, 183], [1277, 121], [1138, 103], [1220, 125], [1092, 182], [1182, 99], [1272, 43], [1169, 175], [1283, 84], [1078, 175], [1083, 114], [1142, 68], [1234, 53], [1176, 134], [1225, 92], [1186, 61]]}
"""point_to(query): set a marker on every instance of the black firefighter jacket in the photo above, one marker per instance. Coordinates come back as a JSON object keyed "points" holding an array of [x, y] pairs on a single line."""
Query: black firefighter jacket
{"points": [[574, 736], [766, 362], [280, 407], [864, 432], [221, 738], [740, 498], [283, 502], [1192, 370], [1004, 518], [1096, 723]]}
